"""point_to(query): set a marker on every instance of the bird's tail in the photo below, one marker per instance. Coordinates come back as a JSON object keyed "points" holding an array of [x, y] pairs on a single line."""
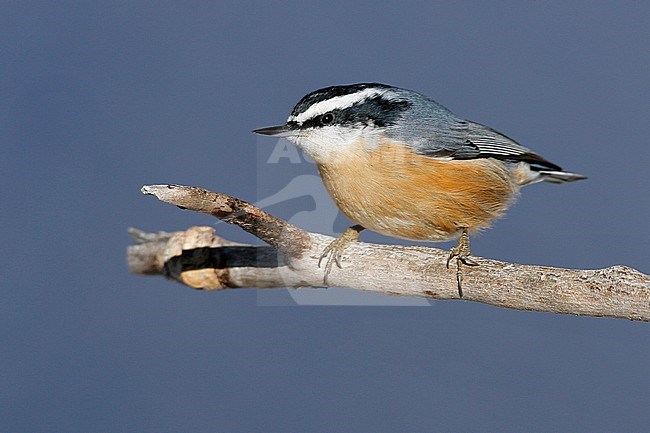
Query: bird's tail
{"points": [[559, 176]]}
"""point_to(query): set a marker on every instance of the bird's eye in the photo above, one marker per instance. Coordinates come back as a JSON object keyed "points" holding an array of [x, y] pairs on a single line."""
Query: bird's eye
{"points": [[327, 118]]}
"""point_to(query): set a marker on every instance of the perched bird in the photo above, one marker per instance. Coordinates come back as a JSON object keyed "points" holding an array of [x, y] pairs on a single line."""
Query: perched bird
{"points": [[400, 164]]}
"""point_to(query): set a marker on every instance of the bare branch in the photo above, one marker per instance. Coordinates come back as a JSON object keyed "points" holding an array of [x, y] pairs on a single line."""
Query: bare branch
{"points": [[280, 234], [200, 259]]}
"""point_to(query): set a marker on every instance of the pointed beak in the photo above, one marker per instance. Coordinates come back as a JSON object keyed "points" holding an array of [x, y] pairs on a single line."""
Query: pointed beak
{"points": [[277, 131]]}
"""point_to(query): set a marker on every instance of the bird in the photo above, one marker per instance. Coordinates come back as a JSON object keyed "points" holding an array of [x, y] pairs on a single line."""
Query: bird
{"points": [[400, 164]]}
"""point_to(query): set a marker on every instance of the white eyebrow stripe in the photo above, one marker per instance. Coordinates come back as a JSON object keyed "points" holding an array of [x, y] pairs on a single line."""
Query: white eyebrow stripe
{"points": [[338, 102]]}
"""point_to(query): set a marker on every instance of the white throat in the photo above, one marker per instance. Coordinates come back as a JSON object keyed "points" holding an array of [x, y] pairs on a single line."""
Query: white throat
{"points": [[329, 143]]}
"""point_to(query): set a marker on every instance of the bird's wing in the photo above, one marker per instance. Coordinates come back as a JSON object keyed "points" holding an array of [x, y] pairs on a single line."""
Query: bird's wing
{"points": [[468, 140]]}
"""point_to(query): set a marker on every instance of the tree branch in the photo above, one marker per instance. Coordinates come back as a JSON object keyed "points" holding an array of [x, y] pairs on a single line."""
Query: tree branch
{"points": [[200, 259]]}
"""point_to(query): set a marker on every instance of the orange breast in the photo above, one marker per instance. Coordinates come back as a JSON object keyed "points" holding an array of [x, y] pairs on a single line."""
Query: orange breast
{"points": [[393, 191]]}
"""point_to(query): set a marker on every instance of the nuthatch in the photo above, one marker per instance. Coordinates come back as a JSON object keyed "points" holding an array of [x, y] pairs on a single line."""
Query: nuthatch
{"points": [[400, 164]]}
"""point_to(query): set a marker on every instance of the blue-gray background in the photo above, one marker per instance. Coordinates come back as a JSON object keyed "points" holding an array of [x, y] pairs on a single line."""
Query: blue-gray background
{"points": [[99, 98]]}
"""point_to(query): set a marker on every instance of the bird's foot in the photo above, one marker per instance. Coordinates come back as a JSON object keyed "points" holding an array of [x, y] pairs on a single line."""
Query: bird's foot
{"points": [[462, 254], [334, 250]]}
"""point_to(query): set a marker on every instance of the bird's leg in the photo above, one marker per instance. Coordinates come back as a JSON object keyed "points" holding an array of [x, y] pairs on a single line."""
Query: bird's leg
{"points": [[335, 249], [462, 253]]}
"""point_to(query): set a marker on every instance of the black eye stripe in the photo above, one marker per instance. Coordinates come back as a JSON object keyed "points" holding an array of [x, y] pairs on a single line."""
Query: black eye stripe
{"points": [[321, 120], [376, 110]]}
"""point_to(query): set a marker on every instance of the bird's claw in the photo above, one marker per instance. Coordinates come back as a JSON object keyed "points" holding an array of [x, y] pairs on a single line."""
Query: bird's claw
{"points": [[334, 251], [462, 254]]}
